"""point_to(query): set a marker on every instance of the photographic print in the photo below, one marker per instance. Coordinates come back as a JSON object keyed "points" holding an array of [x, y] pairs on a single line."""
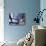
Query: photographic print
{"points": [[18, 19]]}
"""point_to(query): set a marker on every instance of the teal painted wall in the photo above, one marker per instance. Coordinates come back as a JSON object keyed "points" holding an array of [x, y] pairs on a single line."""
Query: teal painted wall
{"points": [[14, 33]]}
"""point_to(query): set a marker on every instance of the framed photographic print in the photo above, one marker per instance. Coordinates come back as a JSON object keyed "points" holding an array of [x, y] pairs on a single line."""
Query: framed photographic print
{"points": [[18, 19]]}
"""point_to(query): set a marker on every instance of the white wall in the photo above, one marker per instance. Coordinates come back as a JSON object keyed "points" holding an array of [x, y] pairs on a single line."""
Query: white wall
{"points": [[43, 6], [1, 21]]}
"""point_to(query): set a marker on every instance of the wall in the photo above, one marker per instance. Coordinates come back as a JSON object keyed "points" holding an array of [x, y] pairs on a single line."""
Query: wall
{"points": [[43, 6], [1, 21], [14, 33]]}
